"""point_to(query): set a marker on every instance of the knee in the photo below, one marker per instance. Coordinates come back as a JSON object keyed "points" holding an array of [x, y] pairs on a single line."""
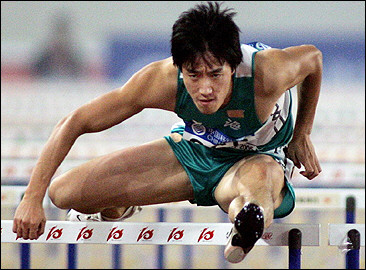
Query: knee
{"points": [[262, 168], [67, 194], [176, 137], [58, 194]]}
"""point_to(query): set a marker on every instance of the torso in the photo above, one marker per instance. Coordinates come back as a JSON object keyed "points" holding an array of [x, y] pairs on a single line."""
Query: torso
{"points": [[246, 122]]}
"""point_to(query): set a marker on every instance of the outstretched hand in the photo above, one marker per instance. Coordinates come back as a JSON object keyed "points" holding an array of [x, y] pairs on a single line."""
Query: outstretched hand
{"points": [[301, 151], [29, 220]]}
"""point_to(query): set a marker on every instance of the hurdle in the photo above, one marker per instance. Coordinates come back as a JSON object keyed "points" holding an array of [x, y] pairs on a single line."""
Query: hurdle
{"points": [[353, 235], [164, 233], [349, 238], [306, 199]]}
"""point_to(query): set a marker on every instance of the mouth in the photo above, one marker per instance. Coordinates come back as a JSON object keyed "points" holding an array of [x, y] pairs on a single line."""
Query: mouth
{"points": [[205, 102]]}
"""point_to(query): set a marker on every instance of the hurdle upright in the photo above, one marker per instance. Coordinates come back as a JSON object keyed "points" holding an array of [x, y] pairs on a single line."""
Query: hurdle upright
{"points": [[349, 238]]}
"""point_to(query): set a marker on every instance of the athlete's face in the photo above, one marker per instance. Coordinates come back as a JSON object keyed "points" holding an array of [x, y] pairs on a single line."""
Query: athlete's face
{"points": [[209, 83]]}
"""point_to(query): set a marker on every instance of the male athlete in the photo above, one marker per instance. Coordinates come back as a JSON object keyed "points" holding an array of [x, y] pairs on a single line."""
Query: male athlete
{"points": [[236, 148]]}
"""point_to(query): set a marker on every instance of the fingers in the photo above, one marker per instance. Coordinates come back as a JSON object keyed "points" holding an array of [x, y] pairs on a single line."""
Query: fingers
{"points": [[311, 165], [309, 174], [41, 228], [17, 228], [33, 233], [305, 155], [296, 161], [312, 168], [291, 155], [27, 231]]}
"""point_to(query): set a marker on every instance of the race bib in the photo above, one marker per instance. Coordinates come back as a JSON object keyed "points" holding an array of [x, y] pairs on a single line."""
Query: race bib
{"points": [[211, 137]]}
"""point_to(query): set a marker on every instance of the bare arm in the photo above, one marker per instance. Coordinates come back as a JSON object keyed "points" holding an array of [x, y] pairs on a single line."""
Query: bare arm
{"points": [[281, 70], [152, 87]]}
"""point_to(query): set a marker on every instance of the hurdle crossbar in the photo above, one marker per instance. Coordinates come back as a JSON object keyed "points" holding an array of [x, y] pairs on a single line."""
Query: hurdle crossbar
{"points": [[160, 233]]}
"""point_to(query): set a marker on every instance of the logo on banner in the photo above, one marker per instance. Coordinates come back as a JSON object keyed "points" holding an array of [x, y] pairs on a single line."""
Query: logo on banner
{"points": [[175, 234], [54, 233], [145, 234], [267, 235], [115, 234], [85, 234], [206, 235]]}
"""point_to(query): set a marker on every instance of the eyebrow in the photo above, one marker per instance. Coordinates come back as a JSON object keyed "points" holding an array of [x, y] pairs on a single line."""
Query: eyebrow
{"points": [[212, 71]]}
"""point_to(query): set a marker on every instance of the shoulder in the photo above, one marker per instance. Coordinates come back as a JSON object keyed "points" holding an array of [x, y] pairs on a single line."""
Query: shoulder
{"points": [[246, 67], [284, 68], [159, 70], [158, 84], [271, 71], [287, 57]]}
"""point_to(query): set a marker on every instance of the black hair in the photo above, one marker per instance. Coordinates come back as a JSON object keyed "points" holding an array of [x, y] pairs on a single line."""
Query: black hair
{"points": [[206, 28]]}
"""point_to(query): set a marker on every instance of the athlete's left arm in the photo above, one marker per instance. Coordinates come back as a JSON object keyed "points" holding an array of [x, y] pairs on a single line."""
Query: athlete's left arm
{"points": [[286, 68]]}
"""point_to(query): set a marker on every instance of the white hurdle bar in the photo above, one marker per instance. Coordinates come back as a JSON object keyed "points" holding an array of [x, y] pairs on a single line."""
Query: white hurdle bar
{"points": [[160, 233]]}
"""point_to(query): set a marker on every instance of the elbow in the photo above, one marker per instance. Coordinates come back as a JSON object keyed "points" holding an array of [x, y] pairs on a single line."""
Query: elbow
{"points": [[313, 60], [316, 55], [71, 124]]}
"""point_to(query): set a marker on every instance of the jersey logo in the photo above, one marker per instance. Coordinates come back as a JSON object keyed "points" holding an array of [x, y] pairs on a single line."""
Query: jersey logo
{"points": [[235, 125], [198, 128]]}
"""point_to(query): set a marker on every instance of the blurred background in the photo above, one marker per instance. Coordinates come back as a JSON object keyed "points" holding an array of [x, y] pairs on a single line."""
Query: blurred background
{"points": [[58, 55]]}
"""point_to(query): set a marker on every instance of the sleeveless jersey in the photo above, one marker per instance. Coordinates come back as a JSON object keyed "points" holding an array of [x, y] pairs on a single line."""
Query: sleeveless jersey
{"points": [[236, 125]]}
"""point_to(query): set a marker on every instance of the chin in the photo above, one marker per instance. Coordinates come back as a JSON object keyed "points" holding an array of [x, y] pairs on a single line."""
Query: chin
{"points": [[207, 110]]}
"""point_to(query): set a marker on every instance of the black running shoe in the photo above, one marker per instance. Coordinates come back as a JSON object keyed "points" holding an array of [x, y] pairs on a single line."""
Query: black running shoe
{"points": [[248, 228]]}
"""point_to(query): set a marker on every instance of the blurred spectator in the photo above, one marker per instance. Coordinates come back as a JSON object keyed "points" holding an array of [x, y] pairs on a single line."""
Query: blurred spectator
{"points": [[59, 57]]}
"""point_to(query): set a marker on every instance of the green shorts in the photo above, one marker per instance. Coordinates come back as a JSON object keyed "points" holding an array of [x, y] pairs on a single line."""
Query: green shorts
{"points": [[206, 167]]}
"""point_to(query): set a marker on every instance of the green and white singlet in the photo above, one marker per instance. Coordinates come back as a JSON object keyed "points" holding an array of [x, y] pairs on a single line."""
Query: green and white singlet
{"points": [[212, 143]]}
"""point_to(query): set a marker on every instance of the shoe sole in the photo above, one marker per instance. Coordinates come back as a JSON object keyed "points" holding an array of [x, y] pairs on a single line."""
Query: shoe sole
{"points": [[239, 245], [234, 254], [249, 223]]}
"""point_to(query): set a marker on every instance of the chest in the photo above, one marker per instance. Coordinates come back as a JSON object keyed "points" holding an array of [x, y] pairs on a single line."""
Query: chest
{"points": [[236, 119]]}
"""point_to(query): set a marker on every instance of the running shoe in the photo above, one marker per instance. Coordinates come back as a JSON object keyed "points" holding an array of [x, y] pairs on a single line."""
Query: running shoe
{"points": [[74, 215], [248, 228]]}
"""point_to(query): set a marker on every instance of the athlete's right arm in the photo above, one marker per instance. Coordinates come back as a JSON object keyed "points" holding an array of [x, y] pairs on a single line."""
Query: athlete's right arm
{"points": [[153, 86]]}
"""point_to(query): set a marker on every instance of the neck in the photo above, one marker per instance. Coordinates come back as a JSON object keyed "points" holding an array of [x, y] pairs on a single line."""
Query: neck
{"points": [[229, 95]]}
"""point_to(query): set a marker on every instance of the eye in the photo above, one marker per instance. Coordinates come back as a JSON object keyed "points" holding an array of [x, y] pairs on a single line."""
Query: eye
{"points": [[193, 76], [216, 75]]}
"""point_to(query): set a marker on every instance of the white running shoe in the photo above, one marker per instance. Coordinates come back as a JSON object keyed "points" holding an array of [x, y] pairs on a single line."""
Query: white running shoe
{"points": [[247, 230], [74, 215], [234, 254]]}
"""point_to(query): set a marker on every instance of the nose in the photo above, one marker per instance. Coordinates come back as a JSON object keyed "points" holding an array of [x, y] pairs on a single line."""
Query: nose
{"points": [[205, 87]]}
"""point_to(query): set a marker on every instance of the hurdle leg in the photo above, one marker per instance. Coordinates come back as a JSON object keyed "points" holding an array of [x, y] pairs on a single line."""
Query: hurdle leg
{"points": [[353, 255], [116, 257], [25, 256], [187, 250], [350, 209], [161, 248], [294, 246], [72, 256]]}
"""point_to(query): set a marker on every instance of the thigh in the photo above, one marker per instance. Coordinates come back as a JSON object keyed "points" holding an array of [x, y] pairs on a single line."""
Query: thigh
{"points": [[245, 173], [140, 175]]}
